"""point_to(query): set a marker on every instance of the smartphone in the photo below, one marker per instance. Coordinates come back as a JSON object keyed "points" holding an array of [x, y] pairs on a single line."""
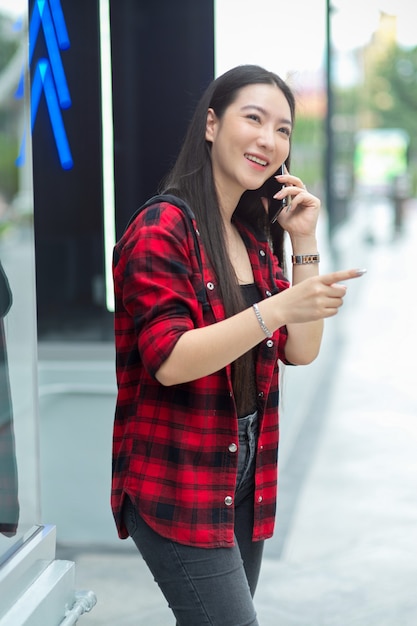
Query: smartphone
{"points": [[268, 190]]}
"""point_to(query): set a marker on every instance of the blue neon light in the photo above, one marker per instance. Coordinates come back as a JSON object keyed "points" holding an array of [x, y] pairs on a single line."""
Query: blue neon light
{"points": [[18, 25], [60, 26], [20, 91], [20, 161], [43, 81], [49, 75], [42, 16]]}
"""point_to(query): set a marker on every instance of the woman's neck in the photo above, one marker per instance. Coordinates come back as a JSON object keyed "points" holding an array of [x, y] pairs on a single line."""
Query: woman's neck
{"points": [[228, 201]]}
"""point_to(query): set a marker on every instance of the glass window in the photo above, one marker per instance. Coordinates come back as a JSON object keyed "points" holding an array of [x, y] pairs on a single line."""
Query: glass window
{"points": [[19, 484]]}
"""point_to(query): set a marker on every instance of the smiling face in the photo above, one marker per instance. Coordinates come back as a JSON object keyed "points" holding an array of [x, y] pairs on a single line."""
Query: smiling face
{"points": [[250, 141]]}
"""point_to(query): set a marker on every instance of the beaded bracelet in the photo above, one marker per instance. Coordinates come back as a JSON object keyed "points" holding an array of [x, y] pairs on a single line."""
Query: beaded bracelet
{"points": [[262, 324]]}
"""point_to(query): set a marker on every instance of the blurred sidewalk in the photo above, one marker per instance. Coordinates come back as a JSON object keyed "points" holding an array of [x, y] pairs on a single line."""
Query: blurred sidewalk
{"points": [[344, 550]]}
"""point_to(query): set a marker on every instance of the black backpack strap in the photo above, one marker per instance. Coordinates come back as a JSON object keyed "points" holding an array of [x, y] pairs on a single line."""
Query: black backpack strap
{"points": [[171, 199], [185, 208]]}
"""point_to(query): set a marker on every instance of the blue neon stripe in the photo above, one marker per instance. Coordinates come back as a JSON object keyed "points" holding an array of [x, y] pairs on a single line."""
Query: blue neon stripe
{"points": [[34, 26], [20, 90], [18, 25], [55, 56], [20, 161], [35, 95], [60, 26], [43, 80], [56, 118], [49, 76]]}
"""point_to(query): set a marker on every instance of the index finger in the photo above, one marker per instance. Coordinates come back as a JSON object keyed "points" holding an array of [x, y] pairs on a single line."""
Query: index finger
{"points": [[341, 275]]}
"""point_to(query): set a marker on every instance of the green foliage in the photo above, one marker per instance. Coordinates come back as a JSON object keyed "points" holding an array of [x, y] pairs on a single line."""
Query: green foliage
{"points": [[392, 92], [8, 169], [308, 149], [9, 42]]}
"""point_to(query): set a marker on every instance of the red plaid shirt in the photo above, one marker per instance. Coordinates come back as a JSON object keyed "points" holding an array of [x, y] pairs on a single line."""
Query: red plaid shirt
{"points": [[173, 447]]}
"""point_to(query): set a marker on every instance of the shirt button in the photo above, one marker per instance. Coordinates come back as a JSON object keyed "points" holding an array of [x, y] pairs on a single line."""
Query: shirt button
{"points": [[262, 252], [228, 500], [233, 447], [261, 448], [259, 499], [261, 394], [210, 286], [269, 343], [268, 293]]}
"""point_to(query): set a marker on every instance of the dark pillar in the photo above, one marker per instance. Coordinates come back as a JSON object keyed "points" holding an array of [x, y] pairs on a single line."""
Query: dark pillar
{"points": [[163, 58], [68, 202]]}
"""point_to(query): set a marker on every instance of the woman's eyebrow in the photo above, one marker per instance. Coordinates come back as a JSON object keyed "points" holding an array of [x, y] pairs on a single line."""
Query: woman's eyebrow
{"points": [[264, 112]]}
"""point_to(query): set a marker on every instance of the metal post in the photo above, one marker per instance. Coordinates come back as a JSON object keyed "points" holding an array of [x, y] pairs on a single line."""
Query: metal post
{"points": [[329, 156]]}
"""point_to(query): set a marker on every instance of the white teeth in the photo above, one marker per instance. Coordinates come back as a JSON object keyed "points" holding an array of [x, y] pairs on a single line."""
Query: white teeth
{"points": [[255, 159]]}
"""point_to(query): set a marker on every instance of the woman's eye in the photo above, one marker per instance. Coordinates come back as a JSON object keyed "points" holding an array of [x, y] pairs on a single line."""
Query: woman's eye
{"points": [[254, 117], [285, 131]]}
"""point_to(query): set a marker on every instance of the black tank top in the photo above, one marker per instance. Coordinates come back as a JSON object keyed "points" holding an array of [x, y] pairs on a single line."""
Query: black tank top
{"points": [[250, 293]]}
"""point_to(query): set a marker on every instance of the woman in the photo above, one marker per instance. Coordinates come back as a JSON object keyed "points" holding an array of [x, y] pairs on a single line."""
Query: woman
{"points": [[203, 313]]}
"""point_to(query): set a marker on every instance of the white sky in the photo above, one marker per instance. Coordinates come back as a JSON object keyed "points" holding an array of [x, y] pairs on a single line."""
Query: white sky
{"points": [[287, 36], [271, 33], [15, 8]]}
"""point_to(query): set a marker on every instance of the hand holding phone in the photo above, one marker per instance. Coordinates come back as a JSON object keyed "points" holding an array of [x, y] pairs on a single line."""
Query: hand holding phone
{"points": [[268, 190]]}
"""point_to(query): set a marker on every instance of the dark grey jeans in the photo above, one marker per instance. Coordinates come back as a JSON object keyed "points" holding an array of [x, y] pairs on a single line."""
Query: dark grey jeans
{"points": [[215, 586]]}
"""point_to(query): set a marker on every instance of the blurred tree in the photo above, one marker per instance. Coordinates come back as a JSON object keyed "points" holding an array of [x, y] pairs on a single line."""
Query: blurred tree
{"points": [[391, 93], [308, 147], [9, 42]]}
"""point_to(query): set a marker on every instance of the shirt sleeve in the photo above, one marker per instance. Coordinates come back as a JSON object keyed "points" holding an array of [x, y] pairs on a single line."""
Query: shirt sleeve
{"points": [[160, 282]]}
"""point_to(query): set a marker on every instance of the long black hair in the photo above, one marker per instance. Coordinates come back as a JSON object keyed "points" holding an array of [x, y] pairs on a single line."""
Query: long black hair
{"points": [[191, 178]]}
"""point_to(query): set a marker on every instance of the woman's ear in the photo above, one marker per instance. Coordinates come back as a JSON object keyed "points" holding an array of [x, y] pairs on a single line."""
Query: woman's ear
{"points": [[210, 125]]}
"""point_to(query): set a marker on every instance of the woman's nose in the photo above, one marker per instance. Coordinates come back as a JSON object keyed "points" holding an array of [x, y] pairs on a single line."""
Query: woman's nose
{"points": [[267, 137]]}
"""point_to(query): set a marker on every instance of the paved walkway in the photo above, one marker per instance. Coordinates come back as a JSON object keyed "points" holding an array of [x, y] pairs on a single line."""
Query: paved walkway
{"points": [[344, 552]]}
